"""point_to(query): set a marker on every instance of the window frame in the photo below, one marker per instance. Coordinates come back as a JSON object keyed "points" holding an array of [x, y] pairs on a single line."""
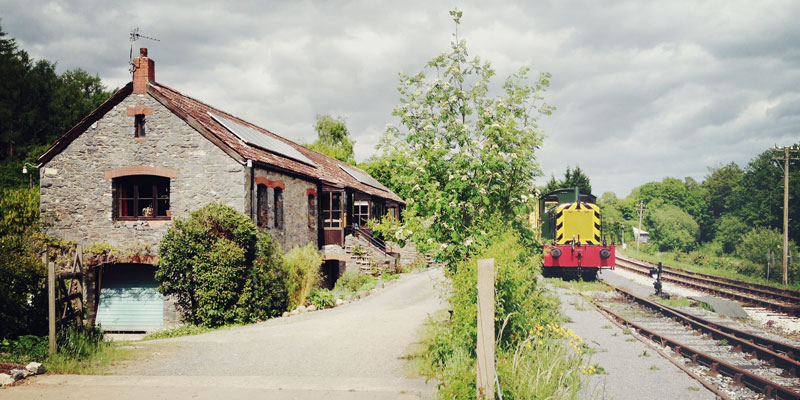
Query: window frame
{"points": [[328, 222], [134, 183], [277, 201], [139, 126]]}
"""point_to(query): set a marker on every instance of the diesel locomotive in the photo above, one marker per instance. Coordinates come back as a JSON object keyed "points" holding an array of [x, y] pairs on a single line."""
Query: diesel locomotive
{"points": [[570, 224]]}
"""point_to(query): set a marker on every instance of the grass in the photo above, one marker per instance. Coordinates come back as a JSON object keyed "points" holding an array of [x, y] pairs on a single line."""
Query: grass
{"points": [[79, 351], [668, 260], [579, 285], [180, 330], [676, 301]]}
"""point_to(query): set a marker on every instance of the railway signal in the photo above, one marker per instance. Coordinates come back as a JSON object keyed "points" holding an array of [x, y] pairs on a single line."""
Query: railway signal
{"points": [[657, 284]]}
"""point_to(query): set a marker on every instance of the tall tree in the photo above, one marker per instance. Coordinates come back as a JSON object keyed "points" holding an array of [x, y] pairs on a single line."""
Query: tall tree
{"points": [[37, 105], [333, 138], [470, 156], [572, 178]]}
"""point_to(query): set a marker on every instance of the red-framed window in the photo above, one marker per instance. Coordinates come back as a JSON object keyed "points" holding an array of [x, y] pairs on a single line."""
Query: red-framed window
{"points": [[141, 197]]}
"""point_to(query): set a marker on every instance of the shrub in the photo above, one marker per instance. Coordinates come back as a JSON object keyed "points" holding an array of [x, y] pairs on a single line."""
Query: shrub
{"points": [[673, 229], [265, 294], [755, 246], [321, 298], [730, 230], [219, 268], [24, 349], [523, 312], [353, 281], [302, 272]]}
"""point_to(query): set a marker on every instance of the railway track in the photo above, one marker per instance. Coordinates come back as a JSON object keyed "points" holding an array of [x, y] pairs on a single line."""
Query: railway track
{"points": [[766, 367], [776, 299]]}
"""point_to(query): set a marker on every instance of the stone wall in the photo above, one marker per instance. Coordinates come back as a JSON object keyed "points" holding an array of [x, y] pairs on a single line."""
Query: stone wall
{"points": [[296, 230], [77, 196]]}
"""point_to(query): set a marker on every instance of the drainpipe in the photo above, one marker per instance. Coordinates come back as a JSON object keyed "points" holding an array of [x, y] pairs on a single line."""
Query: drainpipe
{"points": [[252, 183]]}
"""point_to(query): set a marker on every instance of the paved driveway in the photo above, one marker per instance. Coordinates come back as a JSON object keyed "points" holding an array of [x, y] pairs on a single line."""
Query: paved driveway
{"points": [[350, 352]]}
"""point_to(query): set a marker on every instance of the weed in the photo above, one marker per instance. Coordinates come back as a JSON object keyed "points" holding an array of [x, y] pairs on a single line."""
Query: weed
{"points": [[321, 298], [654, 368], [677, 302], [644, 353], [630, 340], [723, 342], [605, 327], [694, 388]]}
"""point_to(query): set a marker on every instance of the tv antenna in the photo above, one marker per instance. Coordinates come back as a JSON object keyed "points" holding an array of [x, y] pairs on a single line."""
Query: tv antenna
{"points": [[134, 37]]}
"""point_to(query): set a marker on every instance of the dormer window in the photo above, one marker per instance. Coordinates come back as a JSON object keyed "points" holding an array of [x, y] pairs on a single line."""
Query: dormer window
{"points": [[139, 122]]}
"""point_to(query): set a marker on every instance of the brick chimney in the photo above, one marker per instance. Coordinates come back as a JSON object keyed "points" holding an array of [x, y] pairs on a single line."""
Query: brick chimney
{"points": [[145, 71]]}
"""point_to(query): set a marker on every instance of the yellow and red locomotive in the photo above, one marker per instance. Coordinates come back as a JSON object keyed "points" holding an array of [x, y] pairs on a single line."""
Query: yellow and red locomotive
{"points": [[571, 228]]}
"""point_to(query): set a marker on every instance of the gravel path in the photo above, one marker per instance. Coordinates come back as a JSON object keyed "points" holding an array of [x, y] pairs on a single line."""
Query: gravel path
{"points": [[355, 351]]}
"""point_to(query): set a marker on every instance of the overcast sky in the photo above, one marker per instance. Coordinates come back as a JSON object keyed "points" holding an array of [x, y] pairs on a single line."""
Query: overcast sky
{"points": [[644, 90]]}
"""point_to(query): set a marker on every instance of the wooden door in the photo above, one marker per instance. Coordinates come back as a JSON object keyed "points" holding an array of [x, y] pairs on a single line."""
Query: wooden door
{"points": [[333, 217]]}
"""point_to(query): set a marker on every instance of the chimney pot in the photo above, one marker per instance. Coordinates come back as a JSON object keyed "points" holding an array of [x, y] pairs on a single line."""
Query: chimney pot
{"points": [[143, 52]]}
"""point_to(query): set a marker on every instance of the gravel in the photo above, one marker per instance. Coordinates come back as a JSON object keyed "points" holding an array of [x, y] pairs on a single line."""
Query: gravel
{"points": [[632, 369]]}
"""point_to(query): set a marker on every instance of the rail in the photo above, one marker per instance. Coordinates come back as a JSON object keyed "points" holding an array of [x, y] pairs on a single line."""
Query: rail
{"points": [[790, 308], [740, 376]]}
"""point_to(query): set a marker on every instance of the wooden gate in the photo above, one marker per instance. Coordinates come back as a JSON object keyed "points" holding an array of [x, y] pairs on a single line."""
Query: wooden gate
{"points": [[66, 292]]}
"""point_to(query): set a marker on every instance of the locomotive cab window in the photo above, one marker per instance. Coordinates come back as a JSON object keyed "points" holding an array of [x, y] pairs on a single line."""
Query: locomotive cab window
{"points": [[141, 197]]}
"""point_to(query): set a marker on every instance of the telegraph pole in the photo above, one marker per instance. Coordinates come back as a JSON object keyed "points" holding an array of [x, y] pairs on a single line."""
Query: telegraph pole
{"points": [[786, 158], [639, 234]]}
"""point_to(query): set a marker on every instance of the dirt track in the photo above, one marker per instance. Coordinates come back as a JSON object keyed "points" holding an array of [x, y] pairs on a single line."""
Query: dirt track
{"points": [[350, 352]]}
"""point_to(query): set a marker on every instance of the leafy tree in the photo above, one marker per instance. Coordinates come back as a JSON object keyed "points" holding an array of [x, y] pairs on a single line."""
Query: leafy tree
{"points": [[219, 275], [759, 195], [333, 138], [22, 298], [672, 229], [37, 106], [730, 230], [719, 187], [470, 156], [758, 242], [572, 178]]}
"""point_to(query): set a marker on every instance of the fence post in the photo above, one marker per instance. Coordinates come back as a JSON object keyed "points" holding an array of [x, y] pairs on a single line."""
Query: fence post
{"points": [[485, 349], [51, 305]]}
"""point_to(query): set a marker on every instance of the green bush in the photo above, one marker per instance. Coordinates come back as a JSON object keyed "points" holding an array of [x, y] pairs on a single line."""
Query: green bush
{"points": [[24, 349], [265, 294], [757, 244], [730, 230], [353, 281], [23, 299], [302, 272], [526, 328], [673, 229], [220, 269], [321, 298]]}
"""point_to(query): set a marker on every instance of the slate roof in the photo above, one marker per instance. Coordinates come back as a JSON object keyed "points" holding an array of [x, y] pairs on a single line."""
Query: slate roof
{"points": [[196, 114]]}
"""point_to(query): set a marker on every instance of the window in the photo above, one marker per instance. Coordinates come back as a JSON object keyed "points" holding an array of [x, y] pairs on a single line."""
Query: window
{"points": [[361, 212], [332, 210], [262, 213], [312, 211], [141, 197], [139, 122], [278, 199]]}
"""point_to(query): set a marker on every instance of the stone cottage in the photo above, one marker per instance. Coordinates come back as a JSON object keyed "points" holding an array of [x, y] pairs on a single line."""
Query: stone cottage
{"points": [[150, 154]]}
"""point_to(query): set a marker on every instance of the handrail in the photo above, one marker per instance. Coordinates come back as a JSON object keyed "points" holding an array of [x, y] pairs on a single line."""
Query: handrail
{"points": [[367, 235]]}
